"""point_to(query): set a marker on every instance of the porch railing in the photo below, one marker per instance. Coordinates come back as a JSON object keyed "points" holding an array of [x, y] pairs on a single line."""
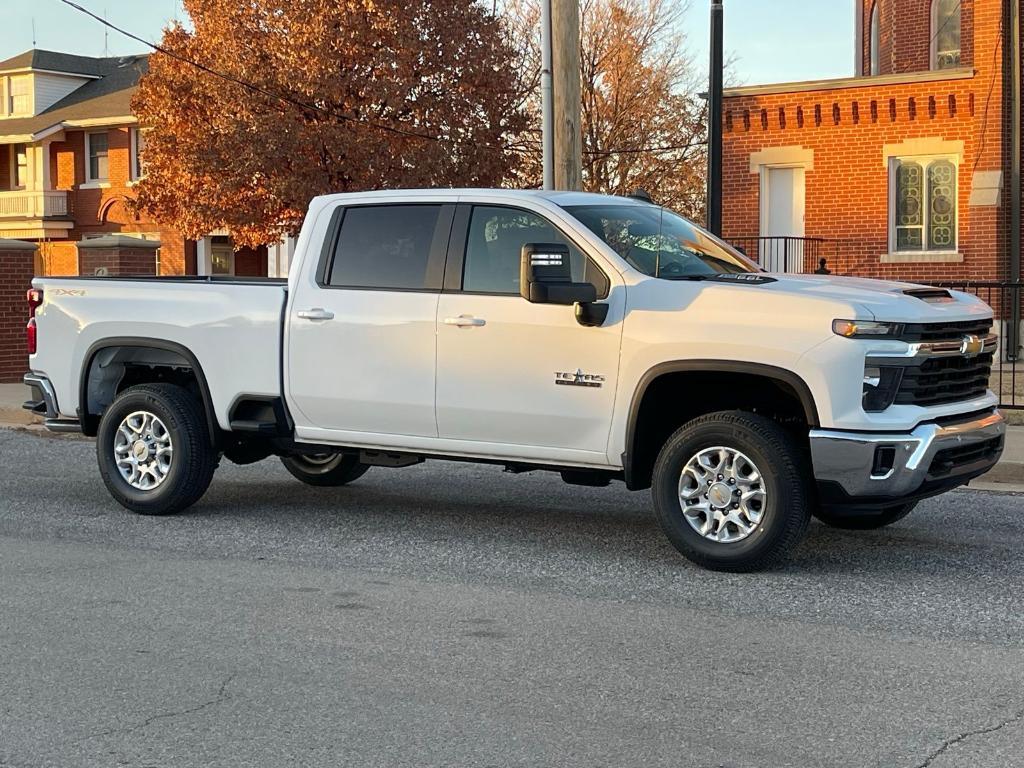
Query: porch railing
{"points": [[788, 254], [1007, 379], [33, 204]]}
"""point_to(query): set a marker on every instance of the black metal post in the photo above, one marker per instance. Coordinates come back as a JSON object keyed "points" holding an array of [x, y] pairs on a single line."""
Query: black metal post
{"points": [[1013, 336], [714, 200]]}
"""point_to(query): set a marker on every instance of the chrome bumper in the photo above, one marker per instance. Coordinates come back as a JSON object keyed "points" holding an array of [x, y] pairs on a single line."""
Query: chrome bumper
{"points": [[44, 403], [848, 459]]}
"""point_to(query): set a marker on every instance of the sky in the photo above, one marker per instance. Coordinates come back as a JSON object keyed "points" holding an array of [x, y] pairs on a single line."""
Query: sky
{"points": [[768, 40]]}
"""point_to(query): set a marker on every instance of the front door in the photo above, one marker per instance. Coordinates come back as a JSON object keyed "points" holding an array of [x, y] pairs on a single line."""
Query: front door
{"points": [[782, 219], [512, 373], [361, 335]]}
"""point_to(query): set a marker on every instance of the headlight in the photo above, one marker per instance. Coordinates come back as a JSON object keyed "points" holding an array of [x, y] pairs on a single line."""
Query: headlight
{"points": [[881, 383], [866, 329]]}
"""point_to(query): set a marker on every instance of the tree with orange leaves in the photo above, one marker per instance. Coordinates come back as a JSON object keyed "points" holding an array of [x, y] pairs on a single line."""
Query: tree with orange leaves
{"points": [[268, 103]]}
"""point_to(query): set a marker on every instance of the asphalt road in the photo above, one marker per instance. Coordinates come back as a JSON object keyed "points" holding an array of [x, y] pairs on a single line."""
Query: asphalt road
{"points": [[452, 615]]}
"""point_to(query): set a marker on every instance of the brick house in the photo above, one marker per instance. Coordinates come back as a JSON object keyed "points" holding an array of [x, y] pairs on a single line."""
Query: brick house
{"points": [[70, 152], [902, 170]]}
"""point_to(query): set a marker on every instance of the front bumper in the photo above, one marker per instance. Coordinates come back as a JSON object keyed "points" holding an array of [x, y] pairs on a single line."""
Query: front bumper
{"points": [[854, 467]]}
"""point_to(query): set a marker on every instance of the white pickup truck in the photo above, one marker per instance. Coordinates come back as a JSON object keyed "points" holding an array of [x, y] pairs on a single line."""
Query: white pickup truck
{"points": [[603, 338]]}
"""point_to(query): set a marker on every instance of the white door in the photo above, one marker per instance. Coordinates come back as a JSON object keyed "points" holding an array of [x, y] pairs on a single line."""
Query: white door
{"points": [[361, 339], [512, 373], [782, 219]]}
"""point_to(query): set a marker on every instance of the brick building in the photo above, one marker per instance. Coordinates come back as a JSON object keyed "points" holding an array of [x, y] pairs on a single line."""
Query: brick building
{"points": [[902, 170], [70, 153]]}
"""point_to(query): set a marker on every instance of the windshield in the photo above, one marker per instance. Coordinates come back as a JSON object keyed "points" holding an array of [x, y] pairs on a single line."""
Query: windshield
{"points": [[661, 243]]}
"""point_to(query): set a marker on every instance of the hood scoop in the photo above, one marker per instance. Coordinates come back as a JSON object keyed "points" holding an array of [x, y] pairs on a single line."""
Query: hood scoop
{"points": [[931, 295]]}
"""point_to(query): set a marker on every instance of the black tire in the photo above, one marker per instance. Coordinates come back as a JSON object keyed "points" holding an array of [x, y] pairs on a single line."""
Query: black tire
{"points": [[193, 457], [865, 521], [780, 460], [325, 470]]}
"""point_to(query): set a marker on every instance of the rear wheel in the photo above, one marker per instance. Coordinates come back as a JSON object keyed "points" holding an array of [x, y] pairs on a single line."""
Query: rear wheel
{"points": [[153, 449], [731, 491], [866, 521], [325, 469]]}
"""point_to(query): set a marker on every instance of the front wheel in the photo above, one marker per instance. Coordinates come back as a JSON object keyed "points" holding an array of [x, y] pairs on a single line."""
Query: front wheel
{"points": [[865, 521], [732, 492], [325, 469]]}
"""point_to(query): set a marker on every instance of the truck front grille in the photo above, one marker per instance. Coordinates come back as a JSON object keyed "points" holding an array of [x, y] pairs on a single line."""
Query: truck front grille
{"points": [[915, 332], [942, 380]]}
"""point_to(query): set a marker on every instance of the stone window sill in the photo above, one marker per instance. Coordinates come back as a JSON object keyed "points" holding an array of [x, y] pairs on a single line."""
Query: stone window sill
{"points": [[95, 185], [927, 257]]}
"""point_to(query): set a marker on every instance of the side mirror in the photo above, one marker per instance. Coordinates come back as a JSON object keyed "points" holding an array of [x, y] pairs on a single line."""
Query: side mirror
{"points": [[545, 276]]}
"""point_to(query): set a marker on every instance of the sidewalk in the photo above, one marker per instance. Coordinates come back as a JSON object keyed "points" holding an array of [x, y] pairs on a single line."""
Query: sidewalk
{"points": [[1009, 472]]}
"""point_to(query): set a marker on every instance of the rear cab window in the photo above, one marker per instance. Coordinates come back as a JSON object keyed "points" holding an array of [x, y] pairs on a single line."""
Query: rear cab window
{"points": [[390, 247]]}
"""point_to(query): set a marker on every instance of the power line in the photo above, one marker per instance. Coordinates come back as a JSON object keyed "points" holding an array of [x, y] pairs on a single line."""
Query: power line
{"points": [[331, 113]]}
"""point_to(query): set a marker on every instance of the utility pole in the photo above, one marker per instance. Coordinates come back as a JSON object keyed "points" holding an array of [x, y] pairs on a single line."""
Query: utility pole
{"points": [[546, 107], [715, 75], [1013, 337], [565, 61]]}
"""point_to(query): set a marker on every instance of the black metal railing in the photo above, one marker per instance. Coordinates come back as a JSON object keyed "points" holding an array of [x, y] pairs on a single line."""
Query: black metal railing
{"points": [[788, 254], [1007, 379]]}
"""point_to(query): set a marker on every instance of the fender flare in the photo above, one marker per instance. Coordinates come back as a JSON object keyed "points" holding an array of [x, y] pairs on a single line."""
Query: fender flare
{"points": [[136, 342], [782, 375]]}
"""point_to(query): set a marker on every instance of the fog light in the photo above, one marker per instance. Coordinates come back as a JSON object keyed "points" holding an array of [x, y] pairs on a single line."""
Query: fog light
{"points": [[885, 460], [881, 383]]}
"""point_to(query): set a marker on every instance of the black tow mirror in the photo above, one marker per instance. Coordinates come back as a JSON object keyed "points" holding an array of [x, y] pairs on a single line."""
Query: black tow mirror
{"points": [[545, 276]]}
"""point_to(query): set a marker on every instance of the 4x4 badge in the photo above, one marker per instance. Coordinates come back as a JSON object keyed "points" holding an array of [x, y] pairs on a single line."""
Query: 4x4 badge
{"points": [[578, 379]]}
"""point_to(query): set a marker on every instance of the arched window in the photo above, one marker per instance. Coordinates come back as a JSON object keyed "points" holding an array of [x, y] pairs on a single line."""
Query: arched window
{"points": [[945, 53], [876, 42]]}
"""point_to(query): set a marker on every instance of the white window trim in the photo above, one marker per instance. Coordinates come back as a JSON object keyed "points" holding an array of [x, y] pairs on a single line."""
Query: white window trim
{"points": [[875, 40], [13, 163], [133, 157], [90, 182], [895, 255], [933, 47]]}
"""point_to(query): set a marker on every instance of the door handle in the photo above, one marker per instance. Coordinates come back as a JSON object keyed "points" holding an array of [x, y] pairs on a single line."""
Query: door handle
{"points": [[466, 321], [317, 313]]}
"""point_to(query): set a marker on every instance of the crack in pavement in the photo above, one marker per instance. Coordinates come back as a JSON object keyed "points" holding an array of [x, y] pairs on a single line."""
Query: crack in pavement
{"points": [[968, 734], [218, 699]]}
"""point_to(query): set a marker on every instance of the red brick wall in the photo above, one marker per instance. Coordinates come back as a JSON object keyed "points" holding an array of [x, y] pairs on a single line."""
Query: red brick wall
{"points": [[847, 191], [118, 261], [906, 35], [16, 268], [106, 210]]}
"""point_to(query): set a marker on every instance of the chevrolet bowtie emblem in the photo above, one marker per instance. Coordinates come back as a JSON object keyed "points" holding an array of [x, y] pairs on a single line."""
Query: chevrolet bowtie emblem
{"points": [[971, 346]]}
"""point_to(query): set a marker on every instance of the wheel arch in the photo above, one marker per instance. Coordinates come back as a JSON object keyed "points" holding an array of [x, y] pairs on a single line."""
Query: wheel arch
{"points": [[639, 463], [96, 392]]}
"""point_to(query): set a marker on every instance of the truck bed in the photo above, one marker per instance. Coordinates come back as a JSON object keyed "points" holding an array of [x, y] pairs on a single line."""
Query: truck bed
{"points": [[231, 325]]}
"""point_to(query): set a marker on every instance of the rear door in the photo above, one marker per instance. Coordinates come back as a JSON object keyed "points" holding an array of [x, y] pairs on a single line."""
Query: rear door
{"points": [[362, 358], [512, 374]]}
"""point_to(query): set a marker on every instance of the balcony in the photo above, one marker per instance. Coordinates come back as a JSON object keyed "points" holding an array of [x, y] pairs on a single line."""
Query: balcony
{"points": [[33, 204]]}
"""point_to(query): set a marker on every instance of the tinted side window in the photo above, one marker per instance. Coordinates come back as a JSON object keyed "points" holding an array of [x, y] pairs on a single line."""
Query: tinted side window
{"points": [[386, 246], [495, 243]]}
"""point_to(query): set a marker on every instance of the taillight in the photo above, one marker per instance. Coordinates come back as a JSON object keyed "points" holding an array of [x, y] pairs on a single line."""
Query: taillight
{"points": [[35, 300]]}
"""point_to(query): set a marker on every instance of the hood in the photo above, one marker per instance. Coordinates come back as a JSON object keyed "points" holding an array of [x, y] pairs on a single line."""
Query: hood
{"points": [[883, 300]]}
